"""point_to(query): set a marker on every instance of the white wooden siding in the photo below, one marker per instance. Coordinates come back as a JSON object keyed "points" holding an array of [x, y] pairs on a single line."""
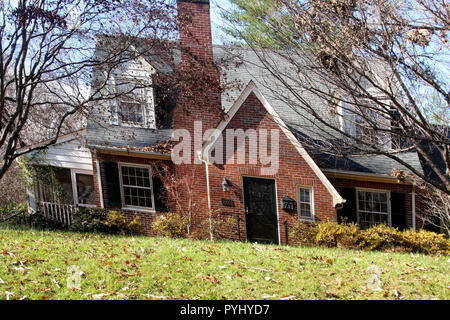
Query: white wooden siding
{"points": [[68, 154]]}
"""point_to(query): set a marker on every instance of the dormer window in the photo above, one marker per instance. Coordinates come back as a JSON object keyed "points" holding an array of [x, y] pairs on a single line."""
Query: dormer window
{"points": [[364, 124], [131, 112], [134, 105]]}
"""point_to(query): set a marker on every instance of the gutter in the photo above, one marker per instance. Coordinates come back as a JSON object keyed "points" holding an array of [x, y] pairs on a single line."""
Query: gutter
{"points": [[200, 157], [413, 204], [99, 178], [363, 175], [128, 151]]}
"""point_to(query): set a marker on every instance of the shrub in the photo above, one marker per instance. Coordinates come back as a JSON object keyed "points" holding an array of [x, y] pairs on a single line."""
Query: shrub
{"points": [[115, 221], [135, 226], [38, 221], [425, 242], [380, 237], [89, 220], [333, 234], [170, 224], [219, 225], [104, 221], [303, 233]]}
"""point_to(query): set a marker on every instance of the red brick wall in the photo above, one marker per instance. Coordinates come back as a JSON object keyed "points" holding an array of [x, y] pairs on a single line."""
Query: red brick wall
{"points": [[407, 189], [146, 218], [199, 83], [293, 171]]}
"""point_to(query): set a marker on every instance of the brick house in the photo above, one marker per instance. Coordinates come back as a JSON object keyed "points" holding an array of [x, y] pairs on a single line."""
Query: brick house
{"points": [[109, 164]]}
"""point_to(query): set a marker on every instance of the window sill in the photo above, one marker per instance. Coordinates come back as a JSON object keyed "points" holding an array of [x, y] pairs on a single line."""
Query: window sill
{"points": [[139, 209], [306, 219]]}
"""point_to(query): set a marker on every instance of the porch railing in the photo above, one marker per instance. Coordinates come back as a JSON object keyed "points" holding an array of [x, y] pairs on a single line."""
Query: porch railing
{"points": [[59, 212]]}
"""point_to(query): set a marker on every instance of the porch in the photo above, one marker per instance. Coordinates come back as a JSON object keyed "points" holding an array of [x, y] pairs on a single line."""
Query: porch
{"points": [[63, 192]]}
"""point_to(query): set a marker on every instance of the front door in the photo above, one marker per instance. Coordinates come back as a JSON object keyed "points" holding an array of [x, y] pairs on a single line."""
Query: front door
{"points": [[260, 210]]}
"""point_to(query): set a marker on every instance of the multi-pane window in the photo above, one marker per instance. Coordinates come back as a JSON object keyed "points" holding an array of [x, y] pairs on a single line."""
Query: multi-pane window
{"points": [[365, 124], [373, 208], [132, 103], [305, 203], [131, 112], [137, 187]]}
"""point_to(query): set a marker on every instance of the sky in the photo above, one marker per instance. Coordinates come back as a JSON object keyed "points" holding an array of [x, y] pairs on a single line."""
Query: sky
{"points": [[217, 21]]}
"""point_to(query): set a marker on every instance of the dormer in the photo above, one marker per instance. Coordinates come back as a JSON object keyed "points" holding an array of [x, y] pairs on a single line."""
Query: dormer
{"points": [[134, 105]]}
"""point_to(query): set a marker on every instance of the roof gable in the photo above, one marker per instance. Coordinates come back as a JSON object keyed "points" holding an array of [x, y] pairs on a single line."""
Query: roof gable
{"points": [[252, 88]]}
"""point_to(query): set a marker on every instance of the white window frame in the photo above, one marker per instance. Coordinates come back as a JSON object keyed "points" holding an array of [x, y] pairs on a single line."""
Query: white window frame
{"points": [[73, 176], [136, 208], [311, 203], [148, 108], [352, 120], [388, 193]]}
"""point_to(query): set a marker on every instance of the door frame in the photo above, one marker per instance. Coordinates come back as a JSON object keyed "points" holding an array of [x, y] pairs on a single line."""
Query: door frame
{"points": [[276, 204]]}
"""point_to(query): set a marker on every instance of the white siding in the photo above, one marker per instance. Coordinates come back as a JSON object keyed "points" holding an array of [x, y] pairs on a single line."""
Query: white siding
{"points": [[68, 154]]}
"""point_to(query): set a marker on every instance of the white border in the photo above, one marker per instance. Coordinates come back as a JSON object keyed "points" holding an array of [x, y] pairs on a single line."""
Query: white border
{"points": [[133, 208], [311, 196], [73, 176], [379, 191]]}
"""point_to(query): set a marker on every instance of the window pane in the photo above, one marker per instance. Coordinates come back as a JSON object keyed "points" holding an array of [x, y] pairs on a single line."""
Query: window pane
{"points": [[305, 210], [304, 205], [136, 187], [85, 189], [373, 208], [63, 187]]}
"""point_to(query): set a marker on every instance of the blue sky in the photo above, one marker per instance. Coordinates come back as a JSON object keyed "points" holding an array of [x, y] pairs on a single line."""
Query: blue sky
{"points": [[216, 19]]}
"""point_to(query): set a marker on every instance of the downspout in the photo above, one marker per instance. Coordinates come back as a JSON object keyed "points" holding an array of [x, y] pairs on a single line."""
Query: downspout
{"points": [[413, 203], [99, 179], [200, 156]]}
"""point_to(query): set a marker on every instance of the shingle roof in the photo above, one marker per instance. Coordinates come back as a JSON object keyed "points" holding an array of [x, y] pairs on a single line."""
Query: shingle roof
{"points": [[299, 122]]}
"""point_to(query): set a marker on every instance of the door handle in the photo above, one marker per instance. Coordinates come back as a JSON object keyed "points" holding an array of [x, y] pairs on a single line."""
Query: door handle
{"points": [[246, 210]]}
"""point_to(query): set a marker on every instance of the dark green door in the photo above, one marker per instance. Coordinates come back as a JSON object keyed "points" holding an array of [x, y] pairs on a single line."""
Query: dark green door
{"points": [[260, 210]]}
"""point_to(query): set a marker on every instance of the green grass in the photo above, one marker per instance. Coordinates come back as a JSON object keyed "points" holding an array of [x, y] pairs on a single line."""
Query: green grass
{"points": [[34, 265]]}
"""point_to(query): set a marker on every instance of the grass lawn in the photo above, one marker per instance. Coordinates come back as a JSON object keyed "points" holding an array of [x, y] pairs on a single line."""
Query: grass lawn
{"points": [[38, 264]]}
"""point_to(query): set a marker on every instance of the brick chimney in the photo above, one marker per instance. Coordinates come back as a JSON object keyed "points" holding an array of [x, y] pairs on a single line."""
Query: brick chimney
{"points": [[199, 92]]}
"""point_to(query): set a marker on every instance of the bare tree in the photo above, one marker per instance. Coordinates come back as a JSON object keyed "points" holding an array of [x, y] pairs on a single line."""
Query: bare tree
{"points": [[436, 210], [379, 67], [49, 52], [179, 192]]}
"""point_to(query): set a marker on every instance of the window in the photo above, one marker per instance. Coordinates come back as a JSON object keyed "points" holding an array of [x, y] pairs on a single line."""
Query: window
{"points": [[85, 189], [305, 210], [365, 124], [134, 104], [137, 191], [131, 112], [373, 208], [68, 186]]}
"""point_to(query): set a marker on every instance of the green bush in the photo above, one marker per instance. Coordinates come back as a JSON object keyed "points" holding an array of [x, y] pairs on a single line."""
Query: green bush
{"points": [[379, 237], [104, 221], [89, 220], [36, 221], [170, 224]]}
